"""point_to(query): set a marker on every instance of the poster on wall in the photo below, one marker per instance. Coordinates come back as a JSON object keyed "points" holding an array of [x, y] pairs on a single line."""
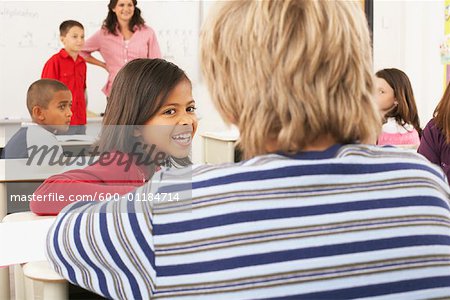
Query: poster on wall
{"points": [[445, 46]]}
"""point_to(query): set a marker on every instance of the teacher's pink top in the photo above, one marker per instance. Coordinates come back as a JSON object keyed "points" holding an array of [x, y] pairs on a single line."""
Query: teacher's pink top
{"points": [[116, 51]]}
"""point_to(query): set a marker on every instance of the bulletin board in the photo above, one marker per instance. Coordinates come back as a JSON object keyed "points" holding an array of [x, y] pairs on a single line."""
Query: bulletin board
{"points": [[445, 46]]}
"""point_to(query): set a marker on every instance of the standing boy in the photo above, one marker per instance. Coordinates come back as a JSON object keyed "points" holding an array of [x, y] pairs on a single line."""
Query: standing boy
{"points": [[70, 68]]}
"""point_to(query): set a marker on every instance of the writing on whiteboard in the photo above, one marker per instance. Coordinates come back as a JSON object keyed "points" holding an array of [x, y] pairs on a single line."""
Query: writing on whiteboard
{"points": [[17, 12]]}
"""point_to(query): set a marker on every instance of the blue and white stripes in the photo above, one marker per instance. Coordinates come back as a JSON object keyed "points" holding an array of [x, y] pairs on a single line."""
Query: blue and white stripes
{"points": [[352, 222]]}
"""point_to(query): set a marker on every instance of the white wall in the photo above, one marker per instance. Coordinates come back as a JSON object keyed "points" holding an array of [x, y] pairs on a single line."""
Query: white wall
{"points": [[407, 35], [209, 118], [29, 36]]}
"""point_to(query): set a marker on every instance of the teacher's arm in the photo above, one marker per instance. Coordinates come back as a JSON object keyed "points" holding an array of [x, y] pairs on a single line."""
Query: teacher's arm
{"points": [[94, 44], [153, 46], [92, 60]]}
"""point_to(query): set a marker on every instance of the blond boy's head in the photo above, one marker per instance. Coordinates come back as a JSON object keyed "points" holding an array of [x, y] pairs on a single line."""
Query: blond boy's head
{"points": [[49, 102], [291, 72]]}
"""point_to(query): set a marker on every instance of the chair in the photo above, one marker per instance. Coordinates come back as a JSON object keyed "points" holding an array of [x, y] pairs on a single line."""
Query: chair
{"points": [[37, 274], [54, 287]]}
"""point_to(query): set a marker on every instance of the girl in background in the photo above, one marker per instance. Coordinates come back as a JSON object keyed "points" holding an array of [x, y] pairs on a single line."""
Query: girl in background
{"points": [[395, 99], [435, 141], [149, 121]]}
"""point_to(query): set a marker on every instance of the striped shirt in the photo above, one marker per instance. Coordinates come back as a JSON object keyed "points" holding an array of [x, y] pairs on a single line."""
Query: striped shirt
{"points": [[353, 221]]}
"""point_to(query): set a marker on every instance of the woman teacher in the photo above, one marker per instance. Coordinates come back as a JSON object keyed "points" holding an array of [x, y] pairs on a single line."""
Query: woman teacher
{"points": [[124, 36]]}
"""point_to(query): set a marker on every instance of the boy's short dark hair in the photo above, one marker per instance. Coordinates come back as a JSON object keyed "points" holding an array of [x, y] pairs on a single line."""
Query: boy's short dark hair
{"points": [[41, 92], [66, 25]]}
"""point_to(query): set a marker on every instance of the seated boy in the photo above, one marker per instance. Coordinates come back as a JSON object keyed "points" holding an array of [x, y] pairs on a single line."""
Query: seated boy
{"points": [[314, 212], [70, 68], [48, 102]]}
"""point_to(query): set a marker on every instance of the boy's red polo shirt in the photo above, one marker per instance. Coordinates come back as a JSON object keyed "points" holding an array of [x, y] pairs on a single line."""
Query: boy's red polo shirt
{"points": [[62, 67]]}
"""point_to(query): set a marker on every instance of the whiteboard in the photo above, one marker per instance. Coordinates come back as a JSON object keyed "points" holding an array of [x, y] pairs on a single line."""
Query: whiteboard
{"points": [[29, 36]]}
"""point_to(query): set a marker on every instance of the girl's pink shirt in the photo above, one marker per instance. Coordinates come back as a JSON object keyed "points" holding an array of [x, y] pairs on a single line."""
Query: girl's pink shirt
{"points": [[408, 138], [394, 133]]}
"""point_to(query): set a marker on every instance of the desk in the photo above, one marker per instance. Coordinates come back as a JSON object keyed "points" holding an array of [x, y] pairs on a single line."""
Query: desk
{"points": [[76, 147], [11, 126], [219, 147], [8, 128], [16, 170]]}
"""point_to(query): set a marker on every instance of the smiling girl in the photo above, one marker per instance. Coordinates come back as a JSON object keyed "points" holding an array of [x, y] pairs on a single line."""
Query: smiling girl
{"points": [[149, 121]]}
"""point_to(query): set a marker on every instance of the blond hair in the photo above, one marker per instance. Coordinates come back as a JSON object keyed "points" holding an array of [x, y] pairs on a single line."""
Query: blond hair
{"points": [[291, 71]]}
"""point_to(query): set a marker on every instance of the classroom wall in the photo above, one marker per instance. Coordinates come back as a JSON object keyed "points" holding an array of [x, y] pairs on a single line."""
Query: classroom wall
{"points": [[209, 118], [29, 36], [407, 35]]}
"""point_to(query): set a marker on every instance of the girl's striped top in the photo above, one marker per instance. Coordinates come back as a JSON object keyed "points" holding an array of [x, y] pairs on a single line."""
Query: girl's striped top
{"points": [[353, 221]]}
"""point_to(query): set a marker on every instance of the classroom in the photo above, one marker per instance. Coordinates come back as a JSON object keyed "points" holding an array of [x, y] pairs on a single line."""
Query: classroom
{"points": [[202, 149]]}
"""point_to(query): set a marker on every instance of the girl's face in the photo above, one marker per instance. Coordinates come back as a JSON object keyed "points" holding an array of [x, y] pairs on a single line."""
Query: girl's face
{"points": [[124, 10], [385, 95], [172, 128]]}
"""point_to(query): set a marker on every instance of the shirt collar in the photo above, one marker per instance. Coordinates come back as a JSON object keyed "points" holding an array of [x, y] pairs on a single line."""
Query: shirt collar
{"points": [[328, 153], [135, 28], [64, 54]]}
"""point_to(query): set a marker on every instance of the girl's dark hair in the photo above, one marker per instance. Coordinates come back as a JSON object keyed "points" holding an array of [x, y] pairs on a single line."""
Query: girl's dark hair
{"points": [[138, 93], [406, 111], [110, 23], [441, 115]]}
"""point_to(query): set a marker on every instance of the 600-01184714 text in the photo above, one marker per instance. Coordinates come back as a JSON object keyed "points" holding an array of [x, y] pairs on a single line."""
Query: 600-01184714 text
{"points": [[155, 197]]}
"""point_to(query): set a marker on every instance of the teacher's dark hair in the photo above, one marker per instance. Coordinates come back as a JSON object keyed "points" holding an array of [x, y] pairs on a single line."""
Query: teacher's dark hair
{"points": [[110, 23]]}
